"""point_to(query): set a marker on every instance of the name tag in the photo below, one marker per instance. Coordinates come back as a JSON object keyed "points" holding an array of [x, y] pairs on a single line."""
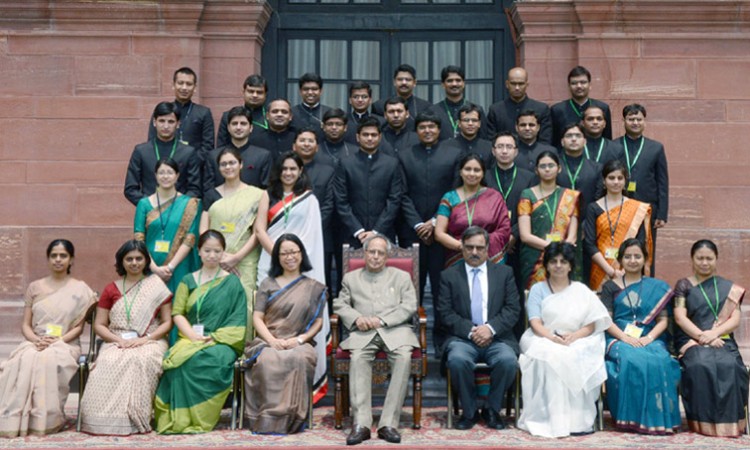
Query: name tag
{"points": [[53, 330], [199, 329], [128, 335], [554, 237], [725, 337], [631, 186], [633, 330], [610, 253], [161, 246], [227, 227]]}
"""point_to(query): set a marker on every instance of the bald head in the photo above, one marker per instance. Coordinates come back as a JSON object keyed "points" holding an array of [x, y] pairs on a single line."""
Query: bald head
{"points": [[517, 82]]}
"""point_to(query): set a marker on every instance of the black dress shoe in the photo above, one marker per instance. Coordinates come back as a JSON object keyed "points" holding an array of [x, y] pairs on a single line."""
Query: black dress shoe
{"points": [[357, 435], [467, 423], [493, 420], [389, 434]]}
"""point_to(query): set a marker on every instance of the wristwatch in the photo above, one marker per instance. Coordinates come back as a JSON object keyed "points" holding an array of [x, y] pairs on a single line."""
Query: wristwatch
{"points": [[300, 341]]}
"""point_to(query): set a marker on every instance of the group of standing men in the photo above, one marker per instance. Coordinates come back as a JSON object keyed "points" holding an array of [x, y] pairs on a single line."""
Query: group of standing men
{"points": [[382, 168]]}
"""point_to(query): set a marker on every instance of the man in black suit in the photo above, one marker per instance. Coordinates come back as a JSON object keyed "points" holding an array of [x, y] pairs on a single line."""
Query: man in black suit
{"points": [[503, 114], [279, 136], [404, 80], [476, 312], [453, 81], [309, 111], [256, 161], [254, 93], [397, 130], [647, 163], [571, 110], [368, 188], [529, 147], [360, 99], [469, 127], [598, 148]]}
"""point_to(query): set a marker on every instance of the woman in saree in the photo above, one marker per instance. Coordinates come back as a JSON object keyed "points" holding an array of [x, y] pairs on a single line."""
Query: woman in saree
{"points": [[210, 313], [714, 379], [232, 208], [611, 220], [562, 352], [133, 317], [34, 379], [289, 206], [288, 314], [168, 222], [642, 377], [546, 213], [472, 203]]}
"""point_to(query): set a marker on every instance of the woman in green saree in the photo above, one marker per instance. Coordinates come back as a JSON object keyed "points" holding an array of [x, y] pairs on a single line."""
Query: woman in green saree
{"points": [[210, 313]]}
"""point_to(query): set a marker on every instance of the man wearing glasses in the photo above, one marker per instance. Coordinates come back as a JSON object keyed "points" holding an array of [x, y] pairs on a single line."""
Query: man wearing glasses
{"points": [[469, 127]]}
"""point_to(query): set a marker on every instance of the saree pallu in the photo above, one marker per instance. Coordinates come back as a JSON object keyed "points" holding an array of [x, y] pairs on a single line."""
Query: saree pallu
{"points": [[633, 215], [278, 395], [198, 375], [120, 390], [34, 384], [234, 217], [532, 268], [714, 381], [560, 383], [177, 222], [642, 381], [300, 215], [488, 211]]}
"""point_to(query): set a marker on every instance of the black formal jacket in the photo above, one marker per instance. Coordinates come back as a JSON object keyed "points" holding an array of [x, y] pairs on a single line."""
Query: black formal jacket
{"points": [[259, 123], [527, 154], [479, 146], [650, 174], [453, 309], [275, 142], [305, 117], [140, 179], [336, 151], [524, 180], [503, 114], [610, 150], [403, 139], [564, 113], [353, 122], [368, 191], [589, 182], [256, 166], [196, 128], [441, 109], [428, 175], [414, 105]]}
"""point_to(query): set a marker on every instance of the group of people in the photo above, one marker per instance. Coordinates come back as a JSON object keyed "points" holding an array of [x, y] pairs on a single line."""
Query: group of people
{"points": [[237, 250]]}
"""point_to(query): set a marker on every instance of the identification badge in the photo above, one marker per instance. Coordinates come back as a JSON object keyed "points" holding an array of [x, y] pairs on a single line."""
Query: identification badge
{"points": [[554, 237], [227, 227], [53, 330], [633, 330], [128, 335], [631, 186], [510, 214], [161, 246], [199, 329], [610, 253], [725, 337]]}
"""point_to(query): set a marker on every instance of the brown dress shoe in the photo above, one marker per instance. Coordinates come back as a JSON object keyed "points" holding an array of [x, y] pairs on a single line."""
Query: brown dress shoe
{"points": [[357, 435], [389, 434]]}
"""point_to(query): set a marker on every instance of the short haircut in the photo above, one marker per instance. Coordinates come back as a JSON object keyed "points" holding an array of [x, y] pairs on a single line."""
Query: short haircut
{"points": [[305, 129], [572, 125], [127, 247], [704, 243], [447, 70], [467, 108], [212, 234], [310, 77], [239, 111], [577, 71], [395, 101], [528, 113], [229, 150], [427, 117], [368, 122], [169, 162], [372, 237], [475, 230], [335, 113], [405, 68], [276, 269], [505, 133], [186, 71], [560, 248], [633, 108], [548, 154], [256, 80], [280, 99], [360, 85], [165, 109], [590, 107]]}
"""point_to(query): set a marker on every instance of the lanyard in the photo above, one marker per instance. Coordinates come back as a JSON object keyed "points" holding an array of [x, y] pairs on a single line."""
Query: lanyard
{"points": [[627, 153], [129, 306], [185, 121], [202, 297], [470, 214], [512, 181], [550, 211], [162, 223], [572, 177], [263, 125], [287, 207], [575, 108], [714, 308], [454, 124], [633, 309], [171, 154], [598, 154], [612, 229]]}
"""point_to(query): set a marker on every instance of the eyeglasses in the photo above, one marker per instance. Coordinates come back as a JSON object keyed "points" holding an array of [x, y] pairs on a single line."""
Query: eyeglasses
{"points": [[290, 253], [547, 166], [229, 163], [502, 146]]}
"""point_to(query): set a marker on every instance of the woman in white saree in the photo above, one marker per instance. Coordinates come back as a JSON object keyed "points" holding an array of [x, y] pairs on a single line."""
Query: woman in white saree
{"points": [[562, 352]]}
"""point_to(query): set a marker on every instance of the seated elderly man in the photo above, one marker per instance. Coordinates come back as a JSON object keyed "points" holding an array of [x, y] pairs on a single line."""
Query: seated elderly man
{"points": [[477, 309], [376, 304]]}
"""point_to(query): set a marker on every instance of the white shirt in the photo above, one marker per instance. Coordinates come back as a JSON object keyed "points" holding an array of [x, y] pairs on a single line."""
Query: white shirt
{"points": [[483, 285]]}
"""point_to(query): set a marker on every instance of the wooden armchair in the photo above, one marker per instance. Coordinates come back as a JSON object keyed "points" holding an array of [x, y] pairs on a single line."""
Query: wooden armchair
{"points": [[86, 360], [407, 260]]}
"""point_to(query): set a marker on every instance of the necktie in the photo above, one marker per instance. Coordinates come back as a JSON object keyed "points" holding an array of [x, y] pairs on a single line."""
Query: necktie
{"points": [[476, 299]]}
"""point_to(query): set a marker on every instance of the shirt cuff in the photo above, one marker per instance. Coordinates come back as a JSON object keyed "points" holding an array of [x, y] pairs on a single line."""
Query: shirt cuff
{"points": [[356, 233], [491, 329]]}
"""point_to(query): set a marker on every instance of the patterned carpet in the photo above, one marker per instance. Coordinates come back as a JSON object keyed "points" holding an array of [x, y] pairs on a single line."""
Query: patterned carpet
{"points": [[433, 435]]}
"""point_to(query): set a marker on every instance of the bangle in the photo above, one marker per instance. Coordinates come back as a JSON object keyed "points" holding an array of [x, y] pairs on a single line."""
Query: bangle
{"points": [[148, 335], [169, 266], [300, 341], [649, 336]]}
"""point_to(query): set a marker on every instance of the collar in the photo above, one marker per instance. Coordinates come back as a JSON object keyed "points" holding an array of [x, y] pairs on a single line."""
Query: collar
{"points": [[482, 268], [306, 106]]}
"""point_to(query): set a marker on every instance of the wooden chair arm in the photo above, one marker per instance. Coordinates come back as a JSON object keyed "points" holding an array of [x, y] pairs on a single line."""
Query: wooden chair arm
{"points": [[335, 332], [422, 327]]}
